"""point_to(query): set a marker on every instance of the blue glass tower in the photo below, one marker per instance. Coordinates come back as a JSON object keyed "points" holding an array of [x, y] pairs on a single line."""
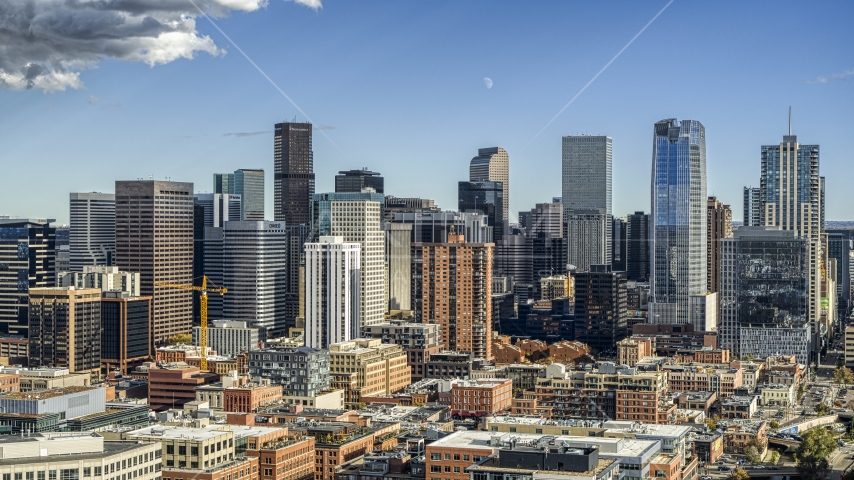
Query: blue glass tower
{"points": [[678, 234]]}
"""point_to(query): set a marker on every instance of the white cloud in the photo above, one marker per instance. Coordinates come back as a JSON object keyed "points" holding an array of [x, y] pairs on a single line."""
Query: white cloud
{"points": [[45, 44], [846, 75], [93, 99]]}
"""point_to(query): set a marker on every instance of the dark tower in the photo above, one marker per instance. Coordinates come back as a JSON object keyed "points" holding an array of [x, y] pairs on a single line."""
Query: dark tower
{"points": [[293, 168]]}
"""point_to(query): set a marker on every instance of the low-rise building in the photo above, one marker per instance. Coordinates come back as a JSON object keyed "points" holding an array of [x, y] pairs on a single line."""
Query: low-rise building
{"points": [[447, 364], [175, 384], [291, 458], [77, 455], [10, 382], [708, 447], [14, 350], [480, 397], [721, 379], [702, 401], [366, 367], [244, 468], [185, 447], [849, 347], [47, 378], [547, 461], [230, 337], [340, 442], [741, 434], [739, 406], [302, 371], [778, 394], [630, 350], [251, 397]]}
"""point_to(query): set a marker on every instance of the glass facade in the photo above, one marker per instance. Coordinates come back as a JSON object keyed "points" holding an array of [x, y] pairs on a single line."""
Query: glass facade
{"points": [[586, 183], [293, 173], [27, 260], [249, 184], [790, 188], [487, 198], [678, 234]]}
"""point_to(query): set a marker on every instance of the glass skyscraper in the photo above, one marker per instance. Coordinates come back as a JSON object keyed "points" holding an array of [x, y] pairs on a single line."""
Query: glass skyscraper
{"points": [[678, 233], [488, 198], [249, 184]]}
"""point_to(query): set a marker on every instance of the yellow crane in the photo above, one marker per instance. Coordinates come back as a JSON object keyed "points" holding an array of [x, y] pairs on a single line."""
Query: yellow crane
{"points": [[203, 302]]}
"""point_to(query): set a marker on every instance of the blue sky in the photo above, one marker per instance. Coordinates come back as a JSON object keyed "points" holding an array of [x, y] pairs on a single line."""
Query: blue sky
{"points": [[401, 85]]}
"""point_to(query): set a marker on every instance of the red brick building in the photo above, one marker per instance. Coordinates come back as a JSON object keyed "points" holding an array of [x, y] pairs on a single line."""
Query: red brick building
{"points": [[175, 385], [481, 397], [251, 397]]}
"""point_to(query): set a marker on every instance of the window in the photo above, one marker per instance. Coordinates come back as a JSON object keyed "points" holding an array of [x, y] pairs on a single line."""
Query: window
{"points": [[194, 451], [87, 472], [182, 450], [466, 458], [170, 450], [538, 430], [69, 474], [41, 474], [433, 456], [447, 456], [52, 475], [457, 456], [435, 469], [447, 468], [456, 469]]}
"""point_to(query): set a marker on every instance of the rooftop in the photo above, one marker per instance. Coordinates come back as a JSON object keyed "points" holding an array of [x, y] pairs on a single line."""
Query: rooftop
{"points": [[45, 394], [608, 446], [165, 432], [492, 464]]}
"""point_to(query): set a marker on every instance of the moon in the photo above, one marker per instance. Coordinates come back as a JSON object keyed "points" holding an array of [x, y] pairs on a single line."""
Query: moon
{"points": [[488, 82]]}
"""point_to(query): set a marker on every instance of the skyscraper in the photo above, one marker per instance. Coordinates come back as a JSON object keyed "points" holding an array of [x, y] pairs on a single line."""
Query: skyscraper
{"points": [[493, 165], [791, 199], [92, 235], [545, 218], [217, 208], [154, 236], [254, 269], [452, 287], [619, 249], [751, 216], [398, 242], [223, 183], [488, 198], [678, 233], [637, 247], [293, 169], [765, 304], [718, 227], [600, 307], [586, 184], [249, 184], [331, 292], [27, 256], [356, 218], [65, 328], [356, 181]]}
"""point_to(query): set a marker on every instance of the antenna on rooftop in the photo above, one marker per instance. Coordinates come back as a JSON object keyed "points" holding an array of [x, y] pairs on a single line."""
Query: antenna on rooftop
{"points": [[790, 120]]}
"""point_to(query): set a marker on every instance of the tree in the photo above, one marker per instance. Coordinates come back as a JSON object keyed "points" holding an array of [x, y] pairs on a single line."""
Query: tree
{"points": [[712, 422], [837, 403], [801, 393], [740, 474], [180, 339], [774, 424], [822, 409], [813, 452], [850, 404], [843, 376], [752, 454], [775, 457]]}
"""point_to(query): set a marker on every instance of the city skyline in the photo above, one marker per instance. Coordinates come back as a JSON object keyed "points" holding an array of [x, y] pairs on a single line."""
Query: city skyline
{"points": [[115, 104]]}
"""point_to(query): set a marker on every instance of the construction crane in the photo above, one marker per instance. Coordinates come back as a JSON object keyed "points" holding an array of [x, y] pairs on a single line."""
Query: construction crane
{"points": [[203, 302]]}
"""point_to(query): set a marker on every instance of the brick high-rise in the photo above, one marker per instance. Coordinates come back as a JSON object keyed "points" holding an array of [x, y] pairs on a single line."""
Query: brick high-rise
{"points": [[293, 170], [718, 226], [154, 236], [452, 286]]}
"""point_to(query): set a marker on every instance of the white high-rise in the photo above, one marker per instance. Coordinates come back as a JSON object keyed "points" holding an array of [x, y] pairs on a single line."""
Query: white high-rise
{"points": [[218, 207], [254, 269], [359, 221], [92, 232], [493, 165], [331, 291], [586, 198]]}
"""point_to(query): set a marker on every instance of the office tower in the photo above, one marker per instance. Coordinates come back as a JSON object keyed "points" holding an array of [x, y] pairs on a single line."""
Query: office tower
{"points": [[765, 302], [62, 261], [548, 256], [790, 198], [821, 204], [367, 367], [619, 248], [637, 247], [297, 236], [398, 243], [223, 183], [751, 216], [249, 184], [356, 218], [125, 331], [600, 308], [217, 208], [513, 258], [718, 227], [92, 235], [586, 170], [105, 278], [587, 235], [27, 256], [161, 254], [254, 270], [65, 328], [452, 287], [678, 233], [487, 198], [357, 181], [332, 272], [433, 226], [546, 218], [586, 183], [293, 169], [839, 248], [493, 165]]}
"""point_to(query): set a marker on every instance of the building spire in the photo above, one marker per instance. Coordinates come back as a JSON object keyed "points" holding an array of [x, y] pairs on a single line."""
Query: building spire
{"points": [[790, 120]]}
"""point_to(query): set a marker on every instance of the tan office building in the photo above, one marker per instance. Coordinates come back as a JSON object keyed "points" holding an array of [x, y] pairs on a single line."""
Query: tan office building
{"points": [[367, 367], [65, 328]]}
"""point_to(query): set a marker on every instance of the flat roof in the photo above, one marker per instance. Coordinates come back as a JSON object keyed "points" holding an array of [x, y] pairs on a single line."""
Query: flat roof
{"points": [[45, 394], [169, 432], [622, 447], [110, 448]]}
